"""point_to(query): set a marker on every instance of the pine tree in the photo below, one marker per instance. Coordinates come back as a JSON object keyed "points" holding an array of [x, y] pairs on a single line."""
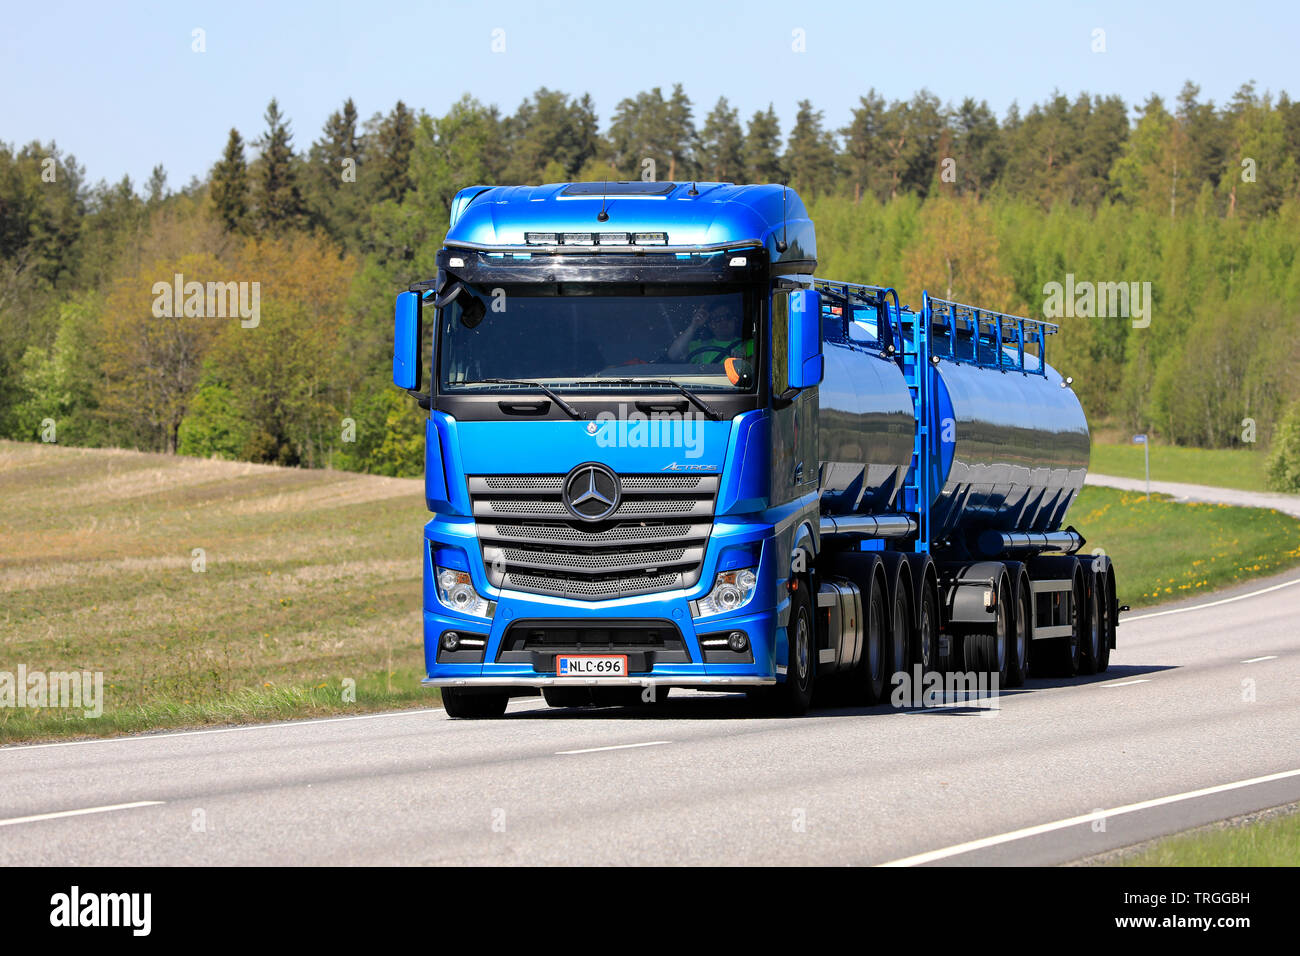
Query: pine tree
{"points": [[722, 144], [865, 152], [230, 185], [388, 163], [334, 194], [156, 188], [639, 138], [682, 140], [976, 147], [810, 155], [279, 202], [763, 147], [550, 129]]}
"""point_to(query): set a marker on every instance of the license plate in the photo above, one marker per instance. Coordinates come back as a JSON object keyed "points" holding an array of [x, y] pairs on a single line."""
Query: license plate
{"points": [[590, 665]]}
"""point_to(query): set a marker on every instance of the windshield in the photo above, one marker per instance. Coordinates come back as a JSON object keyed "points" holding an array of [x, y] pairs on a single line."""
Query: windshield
{"points": [[701, 339]]}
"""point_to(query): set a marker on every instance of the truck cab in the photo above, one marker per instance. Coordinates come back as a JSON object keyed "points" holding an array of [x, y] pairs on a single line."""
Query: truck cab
{"points": [[621, 454]]}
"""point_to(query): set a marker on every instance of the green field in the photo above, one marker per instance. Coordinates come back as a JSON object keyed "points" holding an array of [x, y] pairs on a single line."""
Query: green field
{"points": [[310, 582], [1272, 842], [1224, 467], [1164, 550], [310, 579]]}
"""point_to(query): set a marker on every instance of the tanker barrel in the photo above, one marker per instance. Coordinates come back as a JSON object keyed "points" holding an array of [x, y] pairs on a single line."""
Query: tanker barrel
{"points": [[993, 543], [868, 526]]}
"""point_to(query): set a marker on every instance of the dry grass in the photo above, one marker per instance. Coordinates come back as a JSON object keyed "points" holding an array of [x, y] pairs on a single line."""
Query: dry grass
{"points": [[310, 578]]}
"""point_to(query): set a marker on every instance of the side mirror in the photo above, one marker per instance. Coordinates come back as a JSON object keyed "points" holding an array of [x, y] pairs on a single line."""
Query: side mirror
{"points": [[406, 341], [806, 364]]}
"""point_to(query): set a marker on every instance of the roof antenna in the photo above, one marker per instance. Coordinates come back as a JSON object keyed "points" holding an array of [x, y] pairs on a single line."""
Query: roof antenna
{"points": [[603, 216], [694, 191], [781, 245]]}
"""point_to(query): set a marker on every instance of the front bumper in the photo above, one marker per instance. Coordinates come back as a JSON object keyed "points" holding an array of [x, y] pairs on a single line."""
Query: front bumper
{"points": [[646, 680]]}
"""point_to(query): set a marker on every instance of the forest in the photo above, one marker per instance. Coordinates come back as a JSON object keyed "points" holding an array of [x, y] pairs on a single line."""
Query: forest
{"points": [[1199, 200]]}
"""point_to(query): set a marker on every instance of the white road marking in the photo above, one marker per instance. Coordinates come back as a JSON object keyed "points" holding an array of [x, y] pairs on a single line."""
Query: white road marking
{"points": [[79, 813], [592, 750], [960, 848], [1129, 683], [1256, 660], [21, 748], [1201, 607]]}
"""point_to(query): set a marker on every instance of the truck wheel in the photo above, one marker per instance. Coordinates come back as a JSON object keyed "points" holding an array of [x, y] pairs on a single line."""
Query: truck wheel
{"points": [[566, 696], [1093, 630], [1018, 658], [897, 659], [1106, 602], [871, 675], [795, 695], [471, 705], [925, 644], [987, 652]]}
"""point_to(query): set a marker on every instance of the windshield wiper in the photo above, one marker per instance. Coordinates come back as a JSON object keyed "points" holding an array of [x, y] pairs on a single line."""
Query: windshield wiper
{"points": [[694, 399], [565, 406]]}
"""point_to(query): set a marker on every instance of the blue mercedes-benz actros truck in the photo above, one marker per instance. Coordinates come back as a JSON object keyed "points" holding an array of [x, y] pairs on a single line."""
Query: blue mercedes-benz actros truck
{"points": [[661, 453]]}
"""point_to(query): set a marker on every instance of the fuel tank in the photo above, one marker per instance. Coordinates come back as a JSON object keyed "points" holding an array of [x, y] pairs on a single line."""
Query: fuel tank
{"points": [[866, 430], [1013, 445], [1014, 449]]}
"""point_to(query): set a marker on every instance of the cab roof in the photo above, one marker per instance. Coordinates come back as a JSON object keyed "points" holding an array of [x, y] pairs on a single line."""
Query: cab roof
{"points": [[691, 216]]}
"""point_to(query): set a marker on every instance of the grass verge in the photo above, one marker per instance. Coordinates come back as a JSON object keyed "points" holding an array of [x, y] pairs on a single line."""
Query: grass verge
{"points": [[1269, 842], [1219, 467], [1164, 550]]}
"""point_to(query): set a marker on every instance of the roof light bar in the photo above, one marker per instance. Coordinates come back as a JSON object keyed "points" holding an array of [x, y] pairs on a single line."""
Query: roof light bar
{"points": [[596, 238]]}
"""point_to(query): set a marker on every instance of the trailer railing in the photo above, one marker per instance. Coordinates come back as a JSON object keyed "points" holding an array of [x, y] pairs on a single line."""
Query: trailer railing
{"points": [[846, 296], [984, 337]]}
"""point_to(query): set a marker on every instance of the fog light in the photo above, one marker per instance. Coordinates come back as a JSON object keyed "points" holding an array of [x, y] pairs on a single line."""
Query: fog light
{"points": [[450, 641], [737, 641]]}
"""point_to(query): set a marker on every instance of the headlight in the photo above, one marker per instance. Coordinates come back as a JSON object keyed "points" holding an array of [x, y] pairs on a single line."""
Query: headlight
{"points": [[732, 590], [456, 593]]}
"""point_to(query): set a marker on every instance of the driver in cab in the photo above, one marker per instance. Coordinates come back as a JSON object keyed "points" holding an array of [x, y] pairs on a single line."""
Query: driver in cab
{"points": [[712, 337]]}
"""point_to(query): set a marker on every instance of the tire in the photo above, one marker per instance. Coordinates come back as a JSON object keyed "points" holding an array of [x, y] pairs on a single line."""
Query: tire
{"points": [[1107, 604], [925, 638], [986, 652], [471, 705], [794, 696], [871, 676], [898, 660], [1023, 635], [1093, 629], [566, 696]]}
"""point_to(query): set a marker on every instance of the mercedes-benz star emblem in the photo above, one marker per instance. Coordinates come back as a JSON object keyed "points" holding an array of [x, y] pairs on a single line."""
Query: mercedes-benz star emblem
{"points": [[592, 492]]}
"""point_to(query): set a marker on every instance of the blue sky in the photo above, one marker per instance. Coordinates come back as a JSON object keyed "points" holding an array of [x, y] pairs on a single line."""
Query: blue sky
{"points": [[122, 89]]}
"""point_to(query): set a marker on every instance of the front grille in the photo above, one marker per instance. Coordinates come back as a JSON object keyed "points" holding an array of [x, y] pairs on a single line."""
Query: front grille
{"points": [[655, 541], [647, 641]]}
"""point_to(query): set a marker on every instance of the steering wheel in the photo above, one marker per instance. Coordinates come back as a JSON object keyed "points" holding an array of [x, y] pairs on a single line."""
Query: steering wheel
{"points": [[714, 349]]}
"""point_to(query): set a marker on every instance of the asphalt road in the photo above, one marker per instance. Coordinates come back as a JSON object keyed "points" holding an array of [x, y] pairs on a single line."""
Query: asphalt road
{"points": [[1182, 491], [1198, 696]]}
